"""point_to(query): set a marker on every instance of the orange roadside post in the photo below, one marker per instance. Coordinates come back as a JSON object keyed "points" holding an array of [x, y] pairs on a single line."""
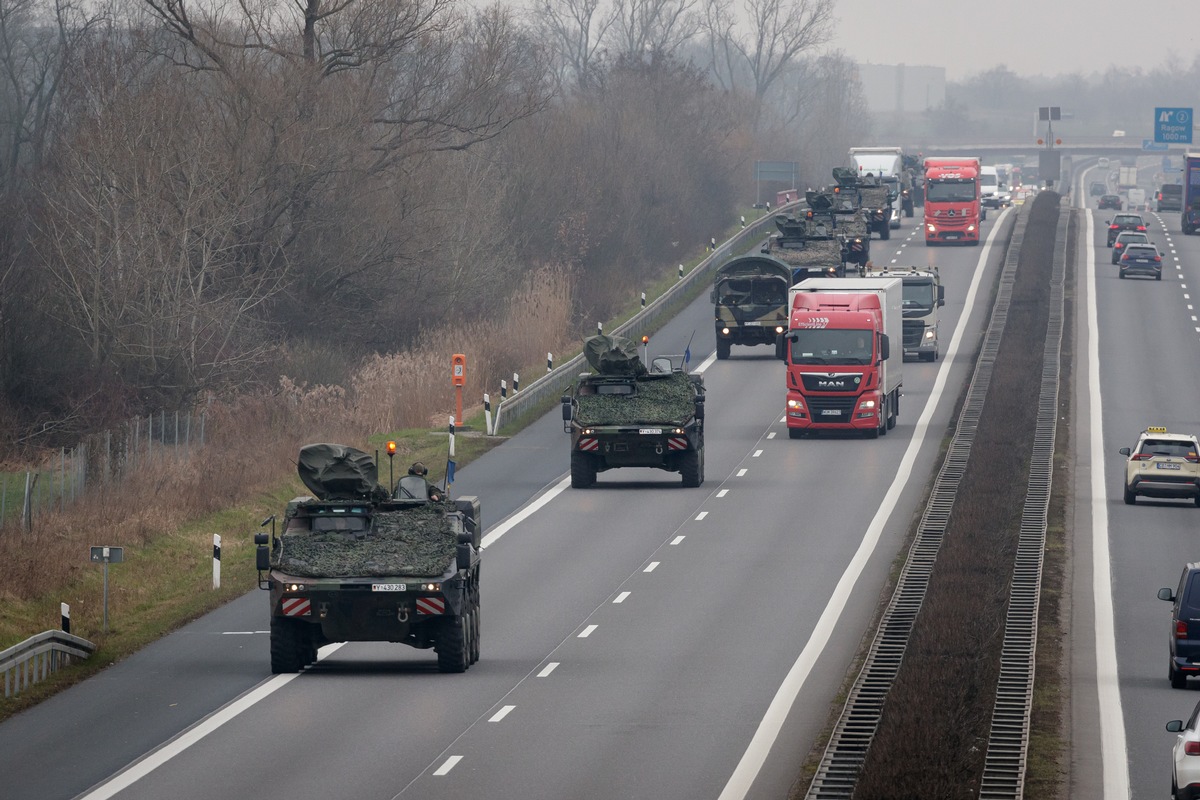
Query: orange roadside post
{"points": [[459, 378]]}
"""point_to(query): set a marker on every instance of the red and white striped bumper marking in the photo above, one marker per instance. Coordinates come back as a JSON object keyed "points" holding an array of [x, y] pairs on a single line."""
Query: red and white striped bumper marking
{"points": [[296, 607], [431, 605], [589, 444], [677, 443]]}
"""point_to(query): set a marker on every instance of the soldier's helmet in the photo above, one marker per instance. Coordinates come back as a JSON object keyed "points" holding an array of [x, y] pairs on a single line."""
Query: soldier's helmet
{"points": [[418, 469]]}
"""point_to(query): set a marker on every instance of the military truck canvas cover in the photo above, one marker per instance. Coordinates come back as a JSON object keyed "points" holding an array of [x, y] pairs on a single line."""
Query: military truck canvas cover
{"points": [[416, 541], [613, 355], [338, 472], [754, 266], [874, 196]]}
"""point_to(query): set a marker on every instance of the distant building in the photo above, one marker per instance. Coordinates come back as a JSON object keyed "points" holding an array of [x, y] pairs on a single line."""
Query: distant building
{"points": [[902, 88]]}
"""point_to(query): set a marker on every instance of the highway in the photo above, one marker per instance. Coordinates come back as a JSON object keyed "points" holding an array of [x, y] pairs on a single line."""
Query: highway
{"points": [[1135, 354], [639, 639]]}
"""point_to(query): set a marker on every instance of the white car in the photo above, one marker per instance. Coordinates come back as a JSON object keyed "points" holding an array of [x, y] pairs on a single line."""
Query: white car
{"points": [[1185, 757], [1162, 464]]}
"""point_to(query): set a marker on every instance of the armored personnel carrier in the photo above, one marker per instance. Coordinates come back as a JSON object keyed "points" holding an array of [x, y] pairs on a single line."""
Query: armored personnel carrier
{"points": [[809, 243], [356, 562], [850, 223], [624, 415]]}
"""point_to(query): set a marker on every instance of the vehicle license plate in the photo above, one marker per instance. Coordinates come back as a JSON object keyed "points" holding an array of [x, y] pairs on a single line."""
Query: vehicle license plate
{"points": [[831, 412], [650, 431], [1167, 466], [389, 587]]}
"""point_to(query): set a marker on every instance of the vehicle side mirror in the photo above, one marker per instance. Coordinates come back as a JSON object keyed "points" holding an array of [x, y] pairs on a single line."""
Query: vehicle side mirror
{"points": [[885, 348], [1124, 451], [1166, 594], [781, 346], [1175, 726], [566, 408], [699, 408], [262, 556], [941, 295], [462, 556]]}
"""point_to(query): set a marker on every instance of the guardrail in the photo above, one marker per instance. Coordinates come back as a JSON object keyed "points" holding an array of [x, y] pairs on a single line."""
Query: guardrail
{"points": [[35, 658], [555, 382]]}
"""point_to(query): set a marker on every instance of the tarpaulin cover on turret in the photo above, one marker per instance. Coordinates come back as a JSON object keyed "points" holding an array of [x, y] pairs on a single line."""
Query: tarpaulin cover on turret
{"points": [[613, 355], [339, 472]]}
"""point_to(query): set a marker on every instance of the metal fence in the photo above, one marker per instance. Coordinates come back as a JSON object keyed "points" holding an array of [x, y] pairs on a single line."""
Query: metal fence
{"points": [[98, 460], [552, 384]]}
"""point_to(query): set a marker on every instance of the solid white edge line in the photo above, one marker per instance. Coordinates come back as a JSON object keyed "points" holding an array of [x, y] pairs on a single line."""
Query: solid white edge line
{"points": [[768, 729], [1112, 718], [143, 767]]}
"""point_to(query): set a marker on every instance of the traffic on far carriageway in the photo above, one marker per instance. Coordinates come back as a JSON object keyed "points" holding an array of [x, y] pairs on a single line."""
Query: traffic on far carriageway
{"points": [[624, 415], [356, 562]]}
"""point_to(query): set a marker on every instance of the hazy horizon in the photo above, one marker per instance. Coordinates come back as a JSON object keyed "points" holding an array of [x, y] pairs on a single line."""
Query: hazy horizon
{"points": [[930, 33]]}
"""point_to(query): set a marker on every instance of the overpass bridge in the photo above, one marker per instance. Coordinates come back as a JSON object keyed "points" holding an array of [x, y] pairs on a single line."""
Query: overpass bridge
{"points": [[1081, 146]]}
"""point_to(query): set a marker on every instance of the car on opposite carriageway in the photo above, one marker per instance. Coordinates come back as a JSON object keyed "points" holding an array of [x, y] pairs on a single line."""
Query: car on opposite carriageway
{"points": [[1126, 238], [1124, 222], [1162, 464]]}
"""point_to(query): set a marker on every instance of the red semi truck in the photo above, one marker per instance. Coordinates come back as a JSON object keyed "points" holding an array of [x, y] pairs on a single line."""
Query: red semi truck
{"points": [[844, 350], [953, 209]]}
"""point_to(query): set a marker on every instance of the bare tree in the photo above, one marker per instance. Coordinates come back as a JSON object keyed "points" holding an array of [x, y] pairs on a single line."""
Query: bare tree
{"points": [[576, 31], [653, 28], [776, 33], [37, 41]]}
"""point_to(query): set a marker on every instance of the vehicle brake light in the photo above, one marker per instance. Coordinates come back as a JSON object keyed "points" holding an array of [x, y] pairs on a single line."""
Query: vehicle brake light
{"points": [[1180, 629], [1141, 227], [1158, 258], [1143, 457], [1114, 227], [1191, 748], [1193, 458]]}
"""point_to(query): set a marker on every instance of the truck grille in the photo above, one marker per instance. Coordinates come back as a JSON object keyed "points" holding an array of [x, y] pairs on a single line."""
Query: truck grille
{"points": [[831, 409], [914, 329]]}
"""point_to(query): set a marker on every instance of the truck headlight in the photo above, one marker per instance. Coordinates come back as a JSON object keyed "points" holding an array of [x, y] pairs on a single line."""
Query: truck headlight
{"points": [[929, 333], [795, 405], [867, 404], [970, 227], [293, 587], [725, 331], [931, 228]]}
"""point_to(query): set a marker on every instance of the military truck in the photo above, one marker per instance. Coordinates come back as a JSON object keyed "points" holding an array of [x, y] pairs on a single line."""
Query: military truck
{"points": [[623, 415], [749, 298], [355, 562], [808, 243], [923, 295]]}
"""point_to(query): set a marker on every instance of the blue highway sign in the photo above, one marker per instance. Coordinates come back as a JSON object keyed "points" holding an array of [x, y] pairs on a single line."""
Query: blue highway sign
{"points": [[1173, 125]]}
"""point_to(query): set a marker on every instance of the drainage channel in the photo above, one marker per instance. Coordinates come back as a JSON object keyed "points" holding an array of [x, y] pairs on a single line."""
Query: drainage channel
{"points": [[846, 751]]}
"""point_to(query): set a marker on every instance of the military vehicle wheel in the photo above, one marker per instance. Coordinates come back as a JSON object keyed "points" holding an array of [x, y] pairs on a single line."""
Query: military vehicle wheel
{"points": [[691, 467], [583, 470], [723, 348], [452, 646], [287, 645]]}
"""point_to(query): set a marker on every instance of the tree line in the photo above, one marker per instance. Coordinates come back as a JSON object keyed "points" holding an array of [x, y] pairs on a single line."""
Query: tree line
{"points": [[202, 197]]}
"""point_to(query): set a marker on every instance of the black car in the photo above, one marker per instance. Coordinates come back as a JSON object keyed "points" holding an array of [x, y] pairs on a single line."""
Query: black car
{"points": [[1112, 201], [1126, 238], [1140, 259], [1184, 637], [1124, 222], [1169, 198], [1098, 188]]}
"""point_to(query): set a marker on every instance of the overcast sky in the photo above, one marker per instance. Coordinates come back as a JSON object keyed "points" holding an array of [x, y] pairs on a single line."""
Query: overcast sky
{"points": [[1030, 37]]}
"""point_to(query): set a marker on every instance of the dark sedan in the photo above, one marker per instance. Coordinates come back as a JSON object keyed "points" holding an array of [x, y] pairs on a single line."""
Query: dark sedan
{"points": [[1124, 222], [1140, 259], [1112, 201]]}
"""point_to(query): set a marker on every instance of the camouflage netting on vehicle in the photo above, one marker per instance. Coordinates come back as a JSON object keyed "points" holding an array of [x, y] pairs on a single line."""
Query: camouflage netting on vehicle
{"points": [[339, 472], [874, 196], [420, 541], [658, 399], [815, 253], [852, 225], [613, 355]]}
